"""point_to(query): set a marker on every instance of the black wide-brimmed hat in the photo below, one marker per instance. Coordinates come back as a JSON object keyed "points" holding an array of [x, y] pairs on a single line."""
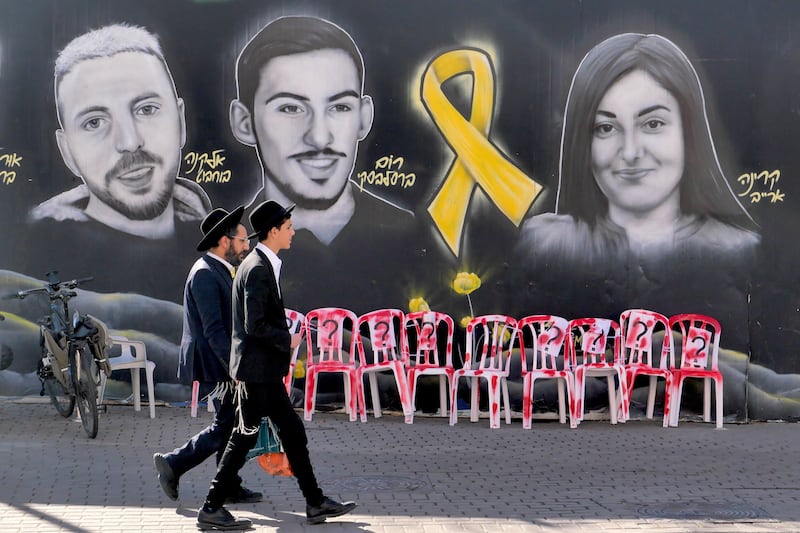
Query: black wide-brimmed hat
{"points": [[266, 215], [216, 223]]}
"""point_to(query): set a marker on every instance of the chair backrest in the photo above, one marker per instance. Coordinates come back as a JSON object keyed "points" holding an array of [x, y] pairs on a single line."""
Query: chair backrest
{"points": [[385, 337], [296, 322], [326, 336], [699, 340], [489, 342], [640, 329], [591, 340], [542, 342], [425, 331]]}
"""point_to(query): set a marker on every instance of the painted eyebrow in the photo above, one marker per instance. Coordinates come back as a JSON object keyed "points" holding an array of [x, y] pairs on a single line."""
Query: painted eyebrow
{"points": [[641, 113], [286, 95], [337, 96]]}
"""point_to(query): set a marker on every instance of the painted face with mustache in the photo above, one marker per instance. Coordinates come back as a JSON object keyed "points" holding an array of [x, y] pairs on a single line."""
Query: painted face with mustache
{"points": [[308, 118], [122, 131]]}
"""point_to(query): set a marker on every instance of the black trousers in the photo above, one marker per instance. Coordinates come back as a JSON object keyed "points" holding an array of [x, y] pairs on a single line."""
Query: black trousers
{"points": [[258, 401], [210, 441]]}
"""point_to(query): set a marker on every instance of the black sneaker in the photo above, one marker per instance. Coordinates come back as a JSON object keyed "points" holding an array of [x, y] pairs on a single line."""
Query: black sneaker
{"points": [[243, 495], [317, 514], [221, 520]]}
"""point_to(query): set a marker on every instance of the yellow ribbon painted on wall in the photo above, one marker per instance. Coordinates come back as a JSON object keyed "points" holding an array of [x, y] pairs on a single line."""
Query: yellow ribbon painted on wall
{"points": [[478, 161]]}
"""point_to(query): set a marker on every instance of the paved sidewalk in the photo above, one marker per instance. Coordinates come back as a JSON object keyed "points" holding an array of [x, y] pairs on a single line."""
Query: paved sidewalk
{"points": [[426, 477]]}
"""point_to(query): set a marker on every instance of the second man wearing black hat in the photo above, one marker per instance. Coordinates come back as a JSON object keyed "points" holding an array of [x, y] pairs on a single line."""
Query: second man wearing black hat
{"points": [[206, 346], [259, 360]]}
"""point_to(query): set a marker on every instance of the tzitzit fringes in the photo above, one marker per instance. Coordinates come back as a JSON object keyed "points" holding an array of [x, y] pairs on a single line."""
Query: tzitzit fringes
{"points": [[240, 396], [220, 390]]}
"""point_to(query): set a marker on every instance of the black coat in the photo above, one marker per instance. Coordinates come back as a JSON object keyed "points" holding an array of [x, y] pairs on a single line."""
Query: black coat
{"points": [[260, 346], [206, 339]]}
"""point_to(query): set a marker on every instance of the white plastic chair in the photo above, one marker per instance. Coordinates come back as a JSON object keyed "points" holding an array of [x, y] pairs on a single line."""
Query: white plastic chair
{"points": [[424, 330], [386, 351], [589, 341], [133, 357], [547, 355], [489, 342], [327, 353], [638, 329], [699, 359]]}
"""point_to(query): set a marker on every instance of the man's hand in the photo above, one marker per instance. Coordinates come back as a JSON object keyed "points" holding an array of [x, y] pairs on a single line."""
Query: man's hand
{"points": [[295, 340]]}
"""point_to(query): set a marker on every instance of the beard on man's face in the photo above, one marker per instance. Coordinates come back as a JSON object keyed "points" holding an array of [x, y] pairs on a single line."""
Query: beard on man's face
{"points": [[232, 257], [131, 206]]}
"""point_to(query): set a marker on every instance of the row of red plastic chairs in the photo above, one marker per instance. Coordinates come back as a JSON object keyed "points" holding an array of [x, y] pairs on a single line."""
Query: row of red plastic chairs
{"points": [[549, 347]]}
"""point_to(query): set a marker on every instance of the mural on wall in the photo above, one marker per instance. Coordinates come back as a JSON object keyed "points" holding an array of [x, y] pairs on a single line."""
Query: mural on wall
{"points": [[535, 157]]}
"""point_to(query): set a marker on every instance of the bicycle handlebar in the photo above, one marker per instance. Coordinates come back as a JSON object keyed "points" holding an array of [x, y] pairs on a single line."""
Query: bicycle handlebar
{"points": [[54, 290]]}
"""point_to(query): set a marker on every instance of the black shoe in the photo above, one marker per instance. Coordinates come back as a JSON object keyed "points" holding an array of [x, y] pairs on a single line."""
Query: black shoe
{"points": [[166, 476], [317, 514], [221, 520], [243, 495]]}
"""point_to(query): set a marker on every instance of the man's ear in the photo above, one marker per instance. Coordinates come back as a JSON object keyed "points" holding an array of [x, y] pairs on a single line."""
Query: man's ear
{"points": [[66, 153], [182, 113], [242, 123], [367, 113]]}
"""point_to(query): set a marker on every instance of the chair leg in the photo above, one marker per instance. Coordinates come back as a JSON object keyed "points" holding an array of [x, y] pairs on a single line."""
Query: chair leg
{"points": [[562, 415], [137, 389], [718, 391], [473, 400], [354, 395], [706, 399], [149, 370], [527, 401], [453, 400], [101, 389], [310, 387], [667, 400], [506, 401], [613, 407], [579, 389], [443, 395], [376, 398], [651, 396], [493, 388], [195, 394], [573, 422]]}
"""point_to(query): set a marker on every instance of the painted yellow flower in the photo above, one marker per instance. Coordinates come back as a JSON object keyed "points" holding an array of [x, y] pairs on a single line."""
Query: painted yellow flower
{"points": [[465, 321], [418, 304], [299, 369], [466, 283]]}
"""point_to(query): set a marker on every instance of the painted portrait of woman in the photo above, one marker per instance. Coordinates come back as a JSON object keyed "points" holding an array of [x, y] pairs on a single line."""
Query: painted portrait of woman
{"points": [[639, 177]]}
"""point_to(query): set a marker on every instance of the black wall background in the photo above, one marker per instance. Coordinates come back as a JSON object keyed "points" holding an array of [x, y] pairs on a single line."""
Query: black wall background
{"points": [[746, 53]]}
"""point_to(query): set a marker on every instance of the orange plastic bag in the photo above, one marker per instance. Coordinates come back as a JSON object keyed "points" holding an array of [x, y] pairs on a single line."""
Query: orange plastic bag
{"points": [[275, 463]]}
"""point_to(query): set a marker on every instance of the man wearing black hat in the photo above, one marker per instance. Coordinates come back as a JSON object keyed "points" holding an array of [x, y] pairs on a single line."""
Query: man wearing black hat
{"points": [[206, 347], [259, 360]]}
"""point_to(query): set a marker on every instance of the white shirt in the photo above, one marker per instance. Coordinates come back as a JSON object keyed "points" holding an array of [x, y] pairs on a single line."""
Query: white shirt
{"points": [[229, 266], [274, 261]]}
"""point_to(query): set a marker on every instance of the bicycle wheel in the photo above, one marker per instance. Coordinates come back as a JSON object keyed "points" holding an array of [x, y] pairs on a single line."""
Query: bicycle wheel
{"points": [[86, 391], [63, 401]]}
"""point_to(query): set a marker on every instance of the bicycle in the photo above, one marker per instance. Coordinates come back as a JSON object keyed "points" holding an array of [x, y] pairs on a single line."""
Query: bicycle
{"points": [[73, 352]]}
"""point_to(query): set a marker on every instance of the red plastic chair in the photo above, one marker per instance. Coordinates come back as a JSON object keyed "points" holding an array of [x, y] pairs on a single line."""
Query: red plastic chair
{"points": [[590, 340], [296, 322], [548, 359], [327, 353], [699, 356], [424, 330], [489, 342], [386, 351]]}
